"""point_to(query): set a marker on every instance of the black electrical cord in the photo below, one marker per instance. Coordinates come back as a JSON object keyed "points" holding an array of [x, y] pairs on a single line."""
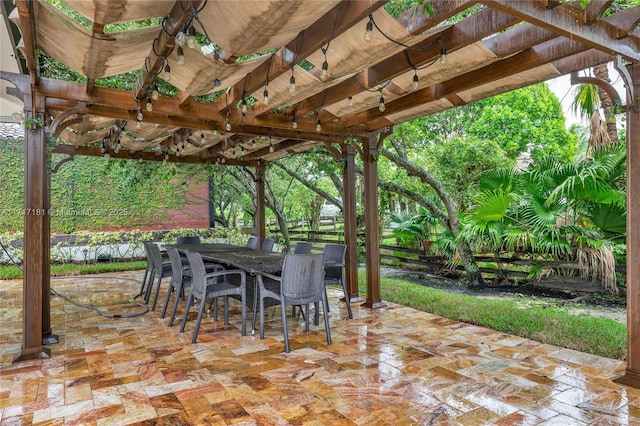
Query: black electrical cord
{"points": [[82, 305]]}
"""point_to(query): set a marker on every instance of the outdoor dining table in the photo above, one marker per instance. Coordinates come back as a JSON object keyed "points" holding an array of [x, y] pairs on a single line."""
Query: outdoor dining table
{"points": [[253, 263], [205, 248]]}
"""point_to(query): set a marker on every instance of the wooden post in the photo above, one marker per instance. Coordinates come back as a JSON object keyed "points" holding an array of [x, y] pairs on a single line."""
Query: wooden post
{"points": [[36, 257], [350, 221], [260, 209], [371, 214], [632, 373]]}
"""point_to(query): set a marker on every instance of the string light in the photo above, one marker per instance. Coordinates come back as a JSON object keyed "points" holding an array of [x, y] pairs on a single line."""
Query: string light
{"points": [[292, 82], [227, 125], [216, 82], [415, 85], [318, 126], [369, 31], [191, 39], [180, 55], [271, 148], [215, 131], [443, 55], [167, 72], [265, 95], [181, 37], [149, 105], [154, 92], [350, 102], [201, 137], [381, 106], [244, 107], [294, 123], [139, 115]]}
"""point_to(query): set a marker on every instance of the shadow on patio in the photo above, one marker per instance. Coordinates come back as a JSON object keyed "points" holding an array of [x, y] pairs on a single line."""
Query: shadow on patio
{"points": [[389, 366]]}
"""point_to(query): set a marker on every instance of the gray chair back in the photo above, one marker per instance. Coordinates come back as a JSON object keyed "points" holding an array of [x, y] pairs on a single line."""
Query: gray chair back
{"points": [[268, 244], [302, 247], [193, 239], [334, 260], [252, 242], [303, 278]]}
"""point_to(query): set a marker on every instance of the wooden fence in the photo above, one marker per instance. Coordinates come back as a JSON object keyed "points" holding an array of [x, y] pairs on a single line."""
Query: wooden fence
{"points": [[565, 276]]}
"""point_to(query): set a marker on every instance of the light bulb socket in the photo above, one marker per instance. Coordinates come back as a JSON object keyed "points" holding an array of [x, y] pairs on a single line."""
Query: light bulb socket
{"points": [[381, 106], [443, 55]]}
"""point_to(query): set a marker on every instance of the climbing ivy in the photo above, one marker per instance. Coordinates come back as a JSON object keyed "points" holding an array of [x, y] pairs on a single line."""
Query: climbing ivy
{"points": [[93, 193]]}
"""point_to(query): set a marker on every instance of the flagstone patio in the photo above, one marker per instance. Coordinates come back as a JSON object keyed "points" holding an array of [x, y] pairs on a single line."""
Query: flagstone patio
{"points": [[389, 366]]}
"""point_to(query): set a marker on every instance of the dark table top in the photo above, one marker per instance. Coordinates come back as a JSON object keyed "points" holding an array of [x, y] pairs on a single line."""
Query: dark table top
{"points": [[210, 247], [253, 262]]}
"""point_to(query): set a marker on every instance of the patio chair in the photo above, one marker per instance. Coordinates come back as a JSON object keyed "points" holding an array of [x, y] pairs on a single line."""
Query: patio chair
{"points": [[252, 242], [268, 244], [160, 270], [192, 239], [180, 280], [334, 269], [301, 283], [302, 247], [212, 285]]}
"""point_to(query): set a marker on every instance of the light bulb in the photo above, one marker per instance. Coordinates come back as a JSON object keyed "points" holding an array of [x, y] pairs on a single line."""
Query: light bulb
{"points": [[167, 72], [215, 131], [166, 157], [323, 73], [181, 37], [155, 94], [294, 123], [244, 107], [191, 39], [138, 124], [292, 84], [201, 137], [369, 31], [443, 55], [265, 98], [271, 148], [318, 126], [180, 56], [350, 101], [414, 85], [106, 155], [216, 82], [139, 116], [149, 105], [381, 104], [227, 125]]}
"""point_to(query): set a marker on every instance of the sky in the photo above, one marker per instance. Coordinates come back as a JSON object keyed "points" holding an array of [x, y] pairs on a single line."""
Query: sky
{"points": [[564, 91]]}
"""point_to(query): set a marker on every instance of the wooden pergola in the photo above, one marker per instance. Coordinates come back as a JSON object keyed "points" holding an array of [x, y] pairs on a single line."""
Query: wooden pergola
{"points": [[271, 78]]}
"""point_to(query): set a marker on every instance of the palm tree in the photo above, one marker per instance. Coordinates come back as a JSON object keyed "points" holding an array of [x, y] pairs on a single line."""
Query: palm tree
{"points": [[555, 210]]}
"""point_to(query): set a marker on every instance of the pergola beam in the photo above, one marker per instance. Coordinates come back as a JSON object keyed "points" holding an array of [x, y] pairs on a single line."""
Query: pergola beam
{"points": [[568, 21]]}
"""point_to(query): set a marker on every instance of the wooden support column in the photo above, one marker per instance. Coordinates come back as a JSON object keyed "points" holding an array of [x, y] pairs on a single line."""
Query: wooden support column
{"points": [[350, 221], [632, 373], [260, 202], [371, 222], [36, 259]]}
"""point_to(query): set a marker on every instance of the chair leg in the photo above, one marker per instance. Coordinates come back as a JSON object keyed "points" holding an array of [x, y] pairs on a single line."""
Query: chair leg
{"points": [[144, 280], [203, 302], [325, 306], [243, 309], [147, 295], [285, 332], [306, 317], [346, 298], [175, 306], [262, 317], [166, 301], [155, 297], [186, 312]]}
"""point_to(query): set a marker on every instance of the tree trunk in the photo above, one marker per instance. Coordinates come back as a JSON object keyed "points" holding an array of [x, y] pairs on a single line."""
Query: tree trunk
{"points": [[602, 72]]}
